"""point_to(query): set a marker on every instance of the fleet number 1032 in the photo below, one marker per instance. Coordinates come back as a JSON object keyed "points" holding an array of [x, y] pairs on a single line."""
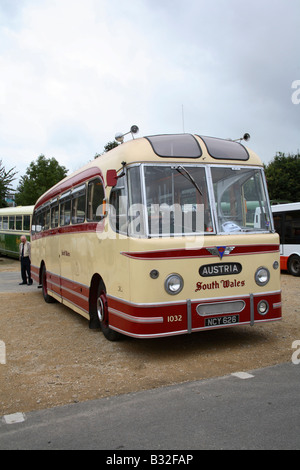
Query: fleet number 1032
{"points": [[171, 318]]}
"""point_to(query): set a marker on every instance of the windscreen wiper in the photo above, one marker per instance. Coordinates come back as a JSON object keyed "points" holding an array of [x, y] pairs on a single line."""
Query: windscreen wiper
{"points": [[184, 172]]}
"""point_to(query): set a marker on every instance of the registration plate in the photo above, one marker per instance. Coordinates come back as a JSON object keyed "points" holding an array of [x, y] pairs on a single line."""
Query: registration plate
{"points": [[218, 321]]}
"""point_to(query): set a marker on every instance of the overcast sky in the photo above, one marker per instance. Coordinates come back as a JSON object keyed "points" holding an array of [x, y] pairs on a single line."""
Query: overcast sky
{"points": [[75, 72]]}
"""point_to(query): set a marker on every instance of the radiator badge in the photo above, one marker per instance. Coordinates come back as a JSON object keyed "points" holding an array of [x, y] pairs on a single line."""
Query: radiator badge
{"points": [[220, 250]]}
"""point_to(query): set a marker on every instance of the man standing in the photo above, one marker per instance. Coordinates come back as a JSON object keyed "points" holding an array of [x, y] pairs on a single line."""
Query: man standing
{"points": [[25, 254]]}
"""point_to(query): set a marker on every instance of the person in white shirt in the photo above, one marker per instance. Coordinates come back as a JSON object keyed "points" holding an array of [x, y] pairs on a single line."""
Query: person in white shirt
{"points": [[25, 255]]}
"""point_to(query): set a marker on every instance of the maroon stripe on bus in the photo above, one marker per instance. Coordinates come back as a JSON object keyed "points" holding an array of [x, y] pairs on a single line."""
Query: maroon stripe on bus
{"points": [[201, 252]]}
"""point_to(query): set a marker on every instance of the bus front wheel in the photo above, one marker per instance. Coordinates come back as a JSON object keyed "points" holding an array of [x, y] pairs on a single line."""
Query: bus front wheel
{"points": [[102, 314], [294, 265]]}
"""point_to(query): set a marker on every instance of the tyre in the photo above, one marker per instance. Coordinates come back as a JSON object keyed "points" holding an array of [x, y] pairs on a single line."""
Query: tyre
{"points": [[102, 314], [294, 265], [46, 296]]}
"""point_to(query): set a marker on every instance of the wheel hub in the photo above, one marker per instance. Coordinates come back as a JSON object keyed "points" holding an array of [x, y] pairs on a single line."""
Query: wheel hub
{"points": [[101, 308]]}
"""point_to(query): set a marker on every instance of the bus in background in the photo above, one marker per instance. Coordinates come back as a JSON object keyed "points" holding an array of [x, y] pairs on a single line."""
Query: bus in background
{"points": [[154, 238], [14, 222], [287, 225]]}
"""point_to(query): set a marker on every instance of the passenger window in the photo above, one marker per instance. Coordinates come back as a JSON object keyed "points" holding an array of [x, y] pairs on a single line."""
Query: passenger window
{"points": [[18, 222], [65, 209], [47, 218], [54, 214], [26, 222], [96, 195], [5, 222], [78, 205], [12, 224]]}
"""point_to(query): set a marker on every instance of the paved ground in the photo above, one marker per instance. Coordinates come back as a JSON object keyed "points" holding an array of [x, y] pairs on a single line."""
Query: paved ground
{"points": [[175, 392], [9, 283], [256, 410]]}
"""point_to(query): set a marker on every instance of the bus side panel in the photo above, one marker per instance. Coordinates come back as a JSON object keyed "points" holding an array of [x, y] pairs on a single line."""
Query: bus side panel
{"points": [[9, 244], [283, 263]]}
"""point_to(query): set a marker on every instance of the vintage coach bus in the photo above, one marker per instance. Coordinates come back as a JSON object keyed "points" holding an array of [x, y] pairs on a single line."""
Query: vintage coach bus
{"points": [[157, 237], [14, 222]]}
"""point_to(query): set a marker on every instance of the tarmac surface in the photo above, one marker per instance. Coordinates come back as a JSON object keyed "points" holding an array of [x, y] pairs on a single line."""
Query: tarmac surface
{"points": [[9, 282], [256, 410]]}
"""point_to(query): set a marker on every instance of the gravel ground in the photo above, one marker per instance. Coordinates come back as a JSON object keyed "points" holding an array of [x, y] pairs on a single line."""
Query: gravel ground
{"points": [[53, 358]]}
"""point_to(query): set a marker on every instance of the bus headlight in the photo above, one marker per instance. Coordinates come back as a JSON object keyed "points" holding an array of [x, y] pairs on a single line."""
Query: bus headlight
{"points": [[263, 307], [173, 284], [262, 276]]}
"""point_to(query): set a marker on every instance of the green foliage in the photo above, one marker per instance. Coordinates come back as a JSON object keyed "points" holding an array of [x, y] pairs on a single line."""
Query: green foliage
{"points": [[109, 146], [6, 178], [40, 176], [283, 177]]}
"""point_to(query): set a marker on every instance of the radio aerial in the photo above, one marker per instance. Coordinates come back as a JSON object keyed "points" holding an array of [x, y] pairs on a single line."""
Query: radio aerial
{"points": [[119, 137]]}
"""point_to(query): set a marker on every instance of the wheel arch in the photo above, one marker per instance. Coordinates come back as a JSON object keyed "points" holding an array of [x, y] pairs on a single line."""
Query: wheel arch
{"points": [[95, 281], [40, 271]]}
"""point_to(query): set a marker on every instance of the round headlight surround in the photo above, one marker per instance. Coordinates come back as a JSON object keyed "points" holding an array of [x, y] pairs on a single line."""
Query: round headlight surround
{"points": [[263, 307], [173, 284], [262, 276]]}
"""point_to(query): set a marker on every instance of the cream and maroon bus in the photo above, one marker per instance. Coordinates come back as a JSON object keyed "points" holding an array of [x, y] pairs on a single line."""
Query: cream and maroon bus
{"points": [[14, 222], [157, 237]]}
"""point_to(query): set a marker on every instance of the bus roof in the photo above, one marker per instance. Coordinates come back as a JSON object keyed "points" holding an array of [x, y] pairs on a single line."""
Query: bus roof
{"points": [[19, 210], [166, 148], [291, 206]]}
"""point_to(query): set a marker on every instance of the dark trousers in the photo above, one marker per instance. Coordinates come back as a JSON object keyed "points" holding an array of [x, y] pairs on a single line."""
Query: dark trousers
{"points": [[25, 269]]}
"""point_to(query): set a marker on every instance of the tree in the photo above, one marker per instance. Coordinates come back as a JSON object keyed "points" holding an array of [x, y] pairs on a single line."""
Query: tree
{"points": [[283, 177], [6, 178], [40, 176], [109, 146]]}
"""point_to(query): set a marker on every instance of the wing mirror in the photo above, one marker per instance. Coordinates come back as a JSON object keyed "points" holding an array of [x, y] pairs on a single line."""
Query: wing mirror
{"points": [[111, 177]]}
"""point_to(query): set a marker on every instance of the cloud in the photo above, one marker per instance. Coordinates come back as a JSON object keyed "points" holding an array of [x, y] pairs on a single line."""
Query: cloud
{"points": [[74, 72]]}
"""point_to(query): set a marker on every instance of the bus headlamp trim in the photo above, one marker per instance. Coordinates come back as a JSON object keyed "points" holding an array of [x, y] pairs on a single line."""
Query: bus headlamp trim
{"points": [[173, 284], [262, 276], [263, 307]]}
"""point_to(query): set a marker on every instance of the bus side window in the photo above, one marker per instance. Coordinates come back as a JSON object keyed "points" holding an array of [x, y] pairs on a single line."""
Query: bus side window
{"points": [[54, 214], [34, 224], [47, 218], [278, 224], [18, 222], [292, 227], [0, 222], [26, 222], [41, 221], [12, 222], [65, 209], [5, 222], [95, 200], [78, 205]]}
